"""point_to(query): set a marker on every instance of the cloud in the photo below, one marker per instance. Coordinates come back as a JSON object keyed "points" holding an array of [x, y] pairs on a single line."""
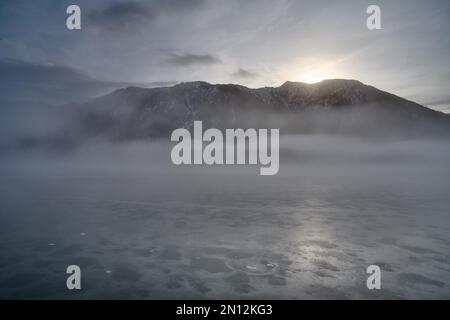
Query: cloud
{"points": [[245, 74], [442, 105], [55, 84], [179, 5], [189, 59], [122, 16], [20, 72], [439, 102], [132, 15]]}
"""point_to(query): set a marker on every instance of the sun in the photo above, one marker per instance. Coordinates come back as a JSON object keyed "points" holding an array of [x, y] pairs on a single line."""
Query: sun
{"points": [[313, 76], [316, 70]]}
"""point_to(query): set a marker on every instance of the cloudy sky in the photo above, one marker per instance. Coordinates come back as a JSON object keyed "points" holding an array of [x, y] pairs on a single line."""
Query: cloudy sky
{"points": [[250, 42]]}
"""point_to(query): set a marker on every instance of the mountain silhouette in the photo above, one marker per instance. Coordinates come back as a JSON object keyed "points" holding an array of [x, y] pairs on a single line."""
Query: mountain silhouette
{"points": [[331, 106]]}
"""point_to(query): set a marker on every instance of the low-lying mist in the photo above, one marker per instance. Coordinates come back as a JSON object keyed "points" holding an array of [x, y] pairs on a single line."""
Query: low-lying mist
{"points": [[141, 227], [295, 150]]}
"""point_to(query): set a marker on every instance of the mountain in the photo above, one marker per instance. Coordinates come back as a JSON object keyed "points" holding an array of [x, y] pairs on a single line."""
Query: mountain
{"points": [[331, 106], [338, 107]]}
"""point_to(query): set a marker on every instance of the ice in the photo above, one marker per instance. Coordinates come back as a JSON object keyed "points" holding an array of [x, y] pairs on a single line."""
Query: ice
{"points": [[157, 232]]}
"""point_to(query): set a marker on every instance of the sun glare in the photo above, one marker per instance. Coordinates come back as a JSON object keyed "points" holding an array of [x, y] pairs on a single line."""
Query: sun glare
{"points": [[312, 77], [313, 71]]}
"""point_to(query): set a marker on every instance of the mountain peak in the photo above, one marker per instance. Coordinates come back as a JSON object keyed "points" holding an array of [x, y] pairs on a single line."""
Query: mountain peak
{"points": [[194, 84], [324, 82]]}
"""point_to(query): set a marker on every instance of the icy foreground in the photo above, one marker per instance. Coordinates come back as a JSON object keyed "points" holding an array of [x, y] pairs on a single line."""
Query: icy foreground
{"points": [[140, 228]]}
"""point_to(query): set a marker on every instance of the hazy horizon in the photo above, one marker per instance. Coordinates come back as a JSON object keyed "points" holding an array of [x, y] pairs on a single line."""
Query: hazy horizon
{"points": [[267, 43]]}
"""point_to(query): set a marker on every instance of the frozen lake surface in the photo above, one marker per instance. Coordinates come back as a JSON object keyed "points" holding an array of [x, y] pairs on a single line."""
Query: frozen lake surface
{"points": [[141, 228]]}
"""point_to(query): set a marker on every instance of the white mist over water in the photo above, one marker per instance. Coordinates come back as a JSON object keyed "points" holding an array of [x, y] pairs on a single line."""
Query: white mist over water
{"points": [[155, 230]]}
